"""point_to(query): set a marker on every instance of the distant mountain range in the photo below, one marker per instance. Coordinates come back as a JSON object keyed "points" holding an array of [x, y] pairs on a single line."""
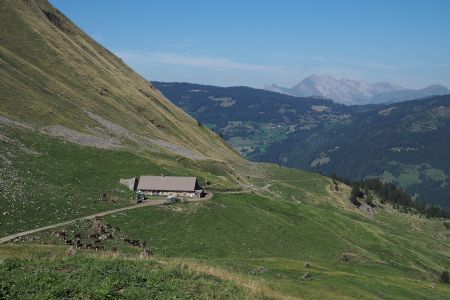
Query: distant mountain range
{"points": [[351, 92]]}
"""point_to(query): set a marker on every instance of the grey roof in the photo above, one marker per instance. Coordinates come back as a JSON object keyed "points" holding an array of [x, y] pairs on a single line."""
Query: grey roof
{"points": [[167, 183]]}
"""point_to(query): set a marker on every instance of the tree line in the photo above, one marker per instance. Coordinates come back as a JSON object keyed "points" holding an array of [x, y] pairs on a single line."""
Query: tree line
{"points": [[389, 193]]}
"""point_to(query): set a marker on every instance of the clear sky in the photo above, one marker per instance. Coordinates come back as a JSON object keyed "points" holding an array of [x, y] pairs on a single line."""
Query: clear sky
{"points": [[405, 42]]}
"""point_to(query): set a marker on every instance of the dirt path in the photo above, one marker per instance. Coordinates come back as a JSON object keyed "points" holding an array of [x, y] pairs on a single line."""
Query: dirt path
{"points": [[108, 212]]}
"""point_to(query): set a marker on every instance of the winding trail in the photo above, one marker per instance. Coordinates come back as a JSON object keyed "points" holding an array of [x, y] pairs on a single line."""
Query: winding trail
{"points": [[100, 214]]}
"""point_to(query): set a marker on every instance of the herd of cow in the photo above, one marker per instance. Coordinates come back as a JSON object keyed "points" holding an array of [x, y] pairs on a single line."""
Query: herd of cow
{"points": [[97, 234]]}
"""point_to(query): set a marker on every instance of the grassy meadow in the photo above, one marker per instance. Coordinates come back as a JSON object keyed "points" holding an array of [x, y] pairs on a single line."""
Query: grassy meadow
{"points": [[77, 277], [246, 233], [46, 180]]}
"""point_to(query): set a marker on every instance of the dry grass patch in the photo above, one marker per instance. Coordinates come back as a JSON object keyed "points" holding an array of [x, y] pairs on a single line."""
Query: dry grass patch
{"points": [[258, 287]]}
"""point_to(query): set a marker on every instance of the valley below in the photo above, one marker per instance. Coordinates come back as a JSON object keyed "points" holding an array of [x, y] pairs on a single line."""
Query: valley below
{"points": [[401, 143]]}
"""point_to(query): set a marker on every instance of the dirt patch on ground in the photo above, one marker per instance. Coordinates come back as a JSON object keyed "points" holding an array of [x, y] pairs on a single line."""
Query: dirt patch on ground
{"points": [[349, 256], [17, 144], [80, 138], [11, 141], [174, 148], [10, 122], [128, 183], [112, 127], [141, 140], [367, 210], [5, 139], [105, 141]]}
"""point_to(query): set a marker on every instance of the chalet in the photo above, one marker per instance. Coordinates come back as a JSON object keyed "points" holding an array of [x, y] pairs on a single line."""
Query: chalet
{"points": [[170, 186]]}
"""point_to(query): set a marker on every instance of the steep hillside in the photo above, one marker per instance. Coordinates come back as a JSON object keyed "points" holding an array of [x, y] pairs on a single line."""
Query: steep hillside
{"points": [[74, 120], [53, 73], [404, 143]]}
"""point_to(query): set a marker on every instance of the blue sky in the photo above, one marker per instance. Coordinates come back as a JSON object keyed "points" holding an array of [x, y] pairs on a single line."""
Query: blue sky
{"points": [[261, 42]]}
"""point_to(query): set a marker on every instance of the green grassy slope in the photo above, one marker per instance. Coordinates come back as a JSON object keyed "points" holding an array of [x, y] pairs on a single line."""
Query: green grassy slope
{"points": [[46, 180], [390, 256], [51, 72], [121, 279], [249, 241]]}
